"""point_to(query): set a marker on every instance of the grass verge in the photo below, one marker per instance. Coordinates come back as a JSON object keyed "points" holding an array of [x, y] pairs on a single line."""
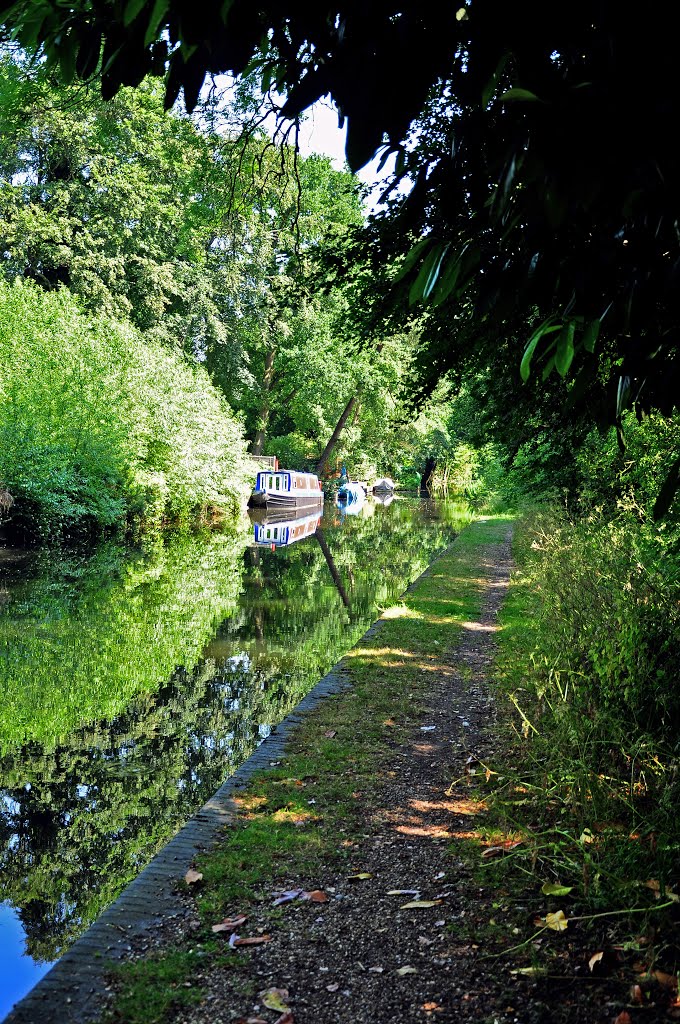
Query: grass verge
{"points": [[579, 846], [337, 760]]}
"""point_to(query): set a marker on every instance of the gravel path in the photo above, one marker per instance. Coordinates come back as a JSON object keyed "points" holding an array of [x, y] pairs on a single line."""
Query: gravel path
{"points": [[363, 956]]}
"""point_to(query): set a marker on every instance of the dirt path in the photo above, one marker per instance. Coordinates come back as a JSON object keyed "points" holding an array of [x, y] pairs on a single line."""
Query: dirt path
{"points": [[363, 955]]}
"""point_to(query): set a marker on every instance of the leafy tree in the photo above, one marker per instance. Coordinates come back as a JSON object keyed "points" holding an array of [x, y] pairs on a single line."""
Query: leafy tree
{"points": [[100, 425], [544, 170], [285, 339]]}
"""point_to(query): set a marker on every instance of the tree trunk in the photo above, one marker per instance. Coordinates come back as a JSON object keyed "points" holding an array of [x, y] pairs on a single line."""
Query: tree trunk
{"points": [[339, 427], [265, 409], [426, 479]]}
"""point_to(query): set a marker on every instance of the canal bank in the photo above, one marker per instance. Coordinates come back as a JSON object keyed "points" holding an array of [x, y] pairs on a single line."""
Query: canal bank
{"points": [[302, 814]]}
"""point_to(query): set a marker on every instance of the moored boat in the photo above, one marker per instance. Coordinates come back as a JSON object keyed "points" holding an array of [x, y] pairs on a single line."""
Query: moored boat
{"points": [[384, 485], [350, 494], [286, 488]]}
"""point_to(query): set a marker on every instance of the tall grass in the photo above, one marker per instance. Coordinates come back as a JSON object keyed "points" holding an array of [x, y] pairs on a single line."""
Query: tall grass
{"points": [[590, 661]]}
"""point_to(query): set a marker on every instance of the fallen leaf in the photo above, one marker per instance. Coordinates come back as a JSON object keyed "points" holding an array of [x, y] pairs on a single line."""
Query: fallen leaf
{"points": [[430, 1007], [287, 782], [502, 848], [595, 959], [428, 728], [636, 995], [419, 904], [586, 836], [286, 896], [376, 970], [390, 723], [332, 988], [493, 851], [275, 999], [256, 940], [553, 889], [669, 981], [623, 1018], [403, 892], [406, 970], [531, 972], [192, 877], [422, 941], [654, 885], [361, 876], [316, 896], [440, 874], [330, 733], [558, 922], [229, 923], [285, 1018]]}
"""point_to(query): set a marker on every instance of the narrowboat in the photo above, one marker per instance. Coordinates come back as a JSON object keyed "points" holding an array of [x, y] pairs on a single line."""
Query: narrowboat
{"points": [[286, 488], [279, 530]]}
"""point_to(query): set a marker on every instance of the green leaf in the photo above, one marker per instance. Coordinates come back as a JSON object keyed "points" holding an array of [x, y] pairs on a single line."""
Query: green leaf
{"points": [[668, 491], [552, 889], [565, 349], [428, 274], [547, 327], [411, 258], [590, 335], [520, 94], [548, 369], [133, 9], [449, 278], [160, 9], [67, 59], [490, 87]]}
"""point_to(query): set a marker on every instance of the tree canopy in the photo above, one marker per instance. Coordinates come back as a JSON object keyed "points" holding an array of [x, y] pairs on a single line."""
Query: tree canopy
{"points": [[540, 150]]}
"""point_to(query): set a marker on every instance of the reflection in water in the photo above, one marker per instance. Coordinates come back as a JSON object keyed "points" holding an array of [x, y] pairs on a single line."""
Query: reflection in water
{"points": [[131, 688], [279, 529]]}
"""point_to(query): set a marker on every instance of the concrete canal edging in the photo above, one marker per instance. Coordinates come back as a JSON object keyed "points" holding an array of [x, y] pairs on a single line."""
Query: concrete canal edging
{"points": [[74, 991]]}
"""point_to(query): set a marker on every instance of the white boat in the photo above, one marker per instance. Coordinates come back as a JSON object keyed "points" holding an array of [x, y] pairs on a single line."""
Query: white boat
{"points": [[384, 485], [280, 529], [350, 494], [286, 488]]}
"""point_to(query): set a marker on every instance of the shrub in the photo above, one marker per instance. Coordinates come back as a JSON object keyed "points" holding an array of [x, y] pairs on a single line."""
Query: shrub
{"points": [[99, 425], [606, 640]]}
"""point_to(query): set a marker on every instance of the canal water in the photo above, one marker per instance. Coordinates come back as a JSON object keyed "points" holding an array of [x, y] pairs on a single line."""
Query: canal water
{"points": [[133, 683]]}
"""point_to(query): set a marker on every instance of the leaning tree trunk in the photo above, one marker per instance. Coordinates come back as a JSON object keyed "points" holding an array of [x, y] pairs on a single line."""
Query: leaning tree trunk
{"points": [[265, 408], [339, 427]]}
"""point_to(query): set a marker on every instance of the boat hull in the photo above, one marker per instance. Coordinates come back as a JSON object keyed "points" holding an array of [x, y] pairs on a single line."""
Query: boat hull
{"points": [[285, 501]]}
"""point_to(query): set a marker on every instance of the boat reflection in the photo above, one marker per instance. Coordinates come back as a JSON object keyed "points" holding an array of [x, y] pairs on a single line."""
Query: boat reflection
{"points": [[282, 528], [383, 497]]}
